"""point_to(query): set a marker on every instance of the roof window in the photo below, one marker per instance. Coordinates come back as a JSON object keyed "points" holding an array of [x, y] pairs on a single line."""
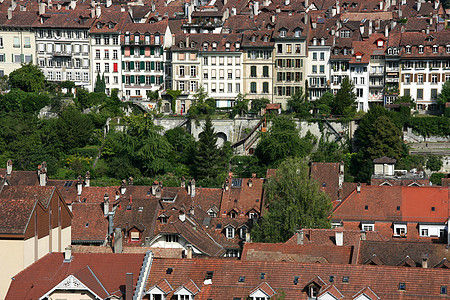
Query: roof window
{"points": [[169, 270], [402, 286], [345, 279], [444, 290], [241, 279], [296, 278], [262, 276]]}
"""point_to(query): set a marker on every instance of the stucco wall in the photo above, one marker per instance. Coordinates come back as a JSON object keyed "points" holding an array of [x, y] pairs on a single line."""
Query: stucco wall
{"points": [[11, 262]]}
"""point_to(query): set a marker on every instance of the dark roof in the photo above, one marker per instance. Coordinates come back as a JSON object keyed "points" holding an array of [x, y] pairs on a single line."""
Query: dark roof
{"points": [[384, 160]]}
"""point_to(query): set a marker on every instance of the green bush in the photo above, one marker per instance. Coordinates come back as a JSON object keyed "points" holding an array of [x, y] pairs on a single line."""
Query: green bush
{"points": [[430, 126], [436, 178]]}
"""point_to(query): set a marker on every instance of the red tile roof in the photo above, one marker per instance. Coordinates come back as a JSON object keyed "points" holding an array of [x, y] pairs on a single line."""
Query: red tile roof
{"points": [[110, 269]]}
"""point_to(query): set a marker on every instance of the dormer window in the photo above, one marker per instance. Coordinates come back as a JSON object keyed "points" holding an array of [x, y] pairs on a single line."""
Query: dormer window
{"points": [[297, 32], [205, 46], [127, 39], [435, 49], [243, 232], [408, 49], [322, 41], [192, 45], [147, 39], [227, 46], [390, 51], [266, 39], [336, 51], [238, 46], [380, 43], [283, 33], [345, 33], [111, 25], [136, 39], [421, 49], [345, 51], [232, 214], [314, 41], [447, 48], [135, 236], [229, 232], [313, 291], [214, 46], [157, 39], [99, 25], [181, 45], [253, 38]]}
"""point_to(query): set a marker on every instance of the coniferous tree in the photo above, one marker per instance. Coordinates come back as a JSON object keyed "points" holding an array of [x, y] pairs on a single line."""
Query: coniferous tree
{"points": [[208, 159], [344, 103]]}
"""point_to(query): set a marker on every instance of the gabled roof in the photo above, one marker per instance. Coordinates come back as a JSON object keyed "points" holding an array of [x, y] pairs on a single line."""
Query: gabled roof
{"points": [[103, 273], [265, 288], [368, 293], [332, 290], [164, 286], [190, 286]]}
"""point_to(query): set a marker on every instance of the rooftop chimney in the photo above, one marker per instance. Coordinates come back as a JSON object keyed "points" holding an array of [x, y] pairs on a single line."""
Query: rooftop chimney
{"points": [[154, 187], [68, 254], [87, 179], [333, 11], [123, 187], [79, 185], [9, 13], [248, 238], [13, 4], [118, 240], [9, 167], [250, 183], [361, 28], [130, 180], [425, 261], [306, 3], [358, 188], [182, 216], [42, 174], [193, 188], [381, 5], [108, 3], [370, 27], [338, 8], [183, 182], [427, 31], [98, 11], [339, 236], [106, 204], [363, 235], [41, 8], [129, 286], [386, 31], [73, 4], [418, 4], [300, 237], [158, 192], [189, 252], [92, 12]]}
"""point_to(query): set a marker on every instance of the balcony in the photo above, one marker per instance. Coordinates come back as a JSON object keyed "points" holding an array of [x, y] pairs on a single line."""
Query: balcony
{"points": [[379, 84], [392, 69], [392, 80], [62, 54]]}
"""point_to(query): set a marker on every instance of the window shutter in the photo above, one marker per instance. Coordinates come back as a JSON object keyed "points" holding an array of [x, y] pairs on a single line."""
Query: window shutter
{"points": [[152, 65], [196, 70], [123, 65], [248, 54], [162, 66], [142, 65], [141, 50], [142, 79], [152, 51], [132, 79], [123, 51], [429, 77], [131, 65], [403, 77], [132, 51], [415, 77], [161, 50], [178, 70], [152, 79], [123, 78]]}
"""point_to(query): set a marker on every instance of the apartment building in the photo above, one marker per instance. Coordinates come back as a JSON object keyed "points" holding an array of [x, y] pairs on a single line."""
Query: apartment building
{"points": [[258, 64], [17, 40], [63, 42], [106, 47], [221, 66], [143, 58], [290, 54]]}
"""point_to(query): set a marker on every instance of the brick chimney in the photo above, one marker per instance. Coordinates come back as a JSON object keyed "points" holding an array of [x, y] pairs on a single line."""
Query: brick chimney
{"points": [[129, 286], [425, 261], [189, 252], [68, 254], [42, 174], [193, 188]]}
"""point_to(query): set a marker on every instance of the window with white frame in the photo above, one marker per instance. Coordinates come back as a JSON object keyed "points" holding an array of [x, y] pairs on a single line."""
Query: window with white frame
{"points": [[229, 232], [368, 226], [408, 49], [421, 49], [435, 49], [171, 238], [242, 232], [400, 230]]}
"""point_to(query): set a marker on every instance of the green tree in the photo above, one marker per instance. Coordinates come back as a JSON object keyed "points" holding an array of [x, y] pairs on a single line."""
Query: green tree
{"points": [[299, 104], [202, 104], [434, 163], [183, 145], [100, 84], [386, 140], [83, 99], [444, 96], [240, 105], [28, 78], [344, 103], [323, 105], [174, 94], [282, 141], [208, 160], [294, 201], [259, 104], [436, 178]]}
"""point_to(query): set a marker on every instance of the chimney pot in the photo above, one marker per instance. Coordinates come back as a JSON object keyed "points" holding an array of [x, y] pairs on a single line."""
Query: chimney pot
{"points": [[87, 179], [189, 252], [358, 188], [68, 254], [300, 237], [129, 286], [193, 188], [425, 261], [118, 240], [123, 187], [9, 166]]}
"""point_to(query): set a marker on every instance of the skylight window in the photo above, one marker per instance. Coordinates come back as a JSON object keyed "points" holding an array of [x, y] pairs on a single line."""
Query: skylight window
{"points": [[296, 278], [241, 279], [169, 270], [263, 275], [402, 286], [331, 278], [345, 279], [209, 275]]}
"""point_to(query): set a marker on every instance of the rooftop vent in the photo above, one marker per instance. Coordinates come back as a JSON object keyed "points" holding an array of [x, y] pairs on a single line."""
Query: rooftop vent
{"points": [[241, 279], [169, 270], [296, 278], [345, 279], [263, 275]]}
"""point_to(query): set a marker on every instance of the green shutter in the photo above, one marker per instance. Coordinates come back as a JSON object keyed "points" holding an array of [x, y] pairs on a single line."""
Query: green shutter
{"points": [[152, 79], [162, 50], [152, 51], [248, 54], [142, 79], [123, 65], [123, 51], [142, 65], [283, 62], [162, 66], [142, 50], [132, 51], [131, 65], [152, 65], [123, 78], [132, 79]]}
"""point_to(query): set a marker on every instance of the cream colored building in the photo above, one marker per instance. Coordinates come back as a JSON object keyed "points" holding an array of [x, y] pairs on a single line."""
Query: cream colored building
{"points": [[17, 41], [35, 220]]}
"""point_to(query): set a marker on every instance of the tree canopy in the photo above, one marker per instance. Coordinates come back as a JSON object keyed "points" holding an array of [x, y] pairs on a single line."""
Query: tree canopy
{"points": [[28, 78], [240, 105], [202, 104], [294, 201], [344, 103]]}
